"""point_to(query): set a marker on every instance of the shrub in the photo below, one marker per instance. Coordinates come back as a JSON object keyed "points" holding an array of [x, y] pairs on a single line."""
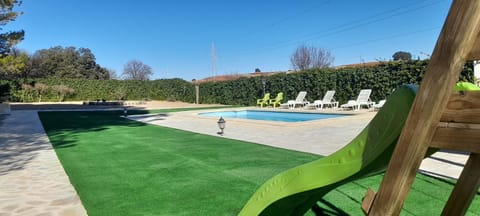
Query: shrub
{"points": [[62, 91]]}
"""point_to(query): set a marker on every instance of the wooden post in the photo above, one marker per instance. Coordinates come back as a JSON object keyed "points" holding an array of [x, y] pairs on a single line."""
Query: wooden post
{"points": [[458, 36], [197, 94], [465, 189]]}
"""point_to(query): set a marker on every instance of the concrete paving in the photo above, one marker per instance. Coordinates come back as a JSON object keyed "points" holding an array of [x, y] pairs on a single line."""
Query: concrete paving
{"points": [[32, 180]]}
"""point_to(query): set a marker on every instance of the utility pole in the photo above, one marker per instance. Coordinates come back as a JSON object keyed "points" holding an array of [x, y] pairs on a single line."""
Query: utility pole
{"points": [[214, 62]]}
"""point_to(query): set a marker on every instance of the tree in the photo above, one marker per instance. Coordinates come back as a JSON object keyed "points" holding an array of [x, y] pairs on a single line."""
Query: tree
{"points": [[9, 39], [40, 89], [62, 91], [68, 62], [257, 70], [136, 70], [309, 57], [401, 55], [112, 74], [13, 66], [27, 92]]}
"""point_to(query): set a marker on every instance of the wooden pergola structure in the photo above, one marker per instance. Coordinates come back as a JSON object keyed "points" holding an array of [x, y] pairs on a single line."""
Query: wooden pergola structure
{"points": [[439, 118]]}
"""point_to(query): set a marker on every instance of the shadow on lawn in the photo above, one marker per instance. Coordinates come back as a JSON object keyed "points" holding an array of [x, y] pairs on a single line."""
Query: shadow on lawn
{"points": [[63, 127], [70, 107], [319, 211], [56, 122]]}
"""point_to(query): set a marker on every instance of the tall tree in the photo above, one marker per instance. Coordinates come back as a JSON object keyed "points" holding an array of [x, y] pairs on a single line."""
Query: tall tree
{"points": [[9, 39], [137, 70], [308, 57], [68, 62], [401, 55], [301, 58]]}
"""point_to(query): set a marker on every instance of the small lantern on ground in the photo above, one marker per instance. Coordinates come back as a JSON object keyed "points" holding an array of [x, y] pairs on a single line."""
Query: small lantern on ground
{"points": [[221, 124], [125, 112]]}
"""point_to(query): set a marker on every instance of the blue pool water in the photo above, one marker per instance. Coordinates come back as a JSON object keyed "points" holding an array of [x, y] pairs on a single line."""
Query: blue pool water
{"points": [[272, 116]]}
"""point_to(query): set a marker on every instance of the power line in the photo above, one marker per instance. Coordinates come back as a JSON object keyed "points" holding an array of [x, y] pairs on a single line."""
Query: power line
{"points": [[372, 19], [388, 37], [290, 16], [353, 25], [301, 13]]}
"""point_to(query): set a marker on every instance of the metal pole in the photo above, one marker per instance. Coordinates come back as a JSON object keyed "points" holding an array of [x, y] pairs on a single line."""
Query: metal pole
{"points": [[263, 83]]}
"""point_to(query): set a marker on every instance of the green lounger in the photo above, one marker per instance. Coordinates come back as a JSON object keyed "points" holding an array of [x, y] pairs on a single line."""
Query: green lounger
{"points": [[264, 100], [277, 101]]}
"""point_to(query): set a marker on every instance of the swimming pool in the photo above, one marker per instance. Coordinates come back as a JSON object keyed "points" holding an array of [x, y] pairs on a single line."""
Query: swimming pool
{"points": [[272, 115]]}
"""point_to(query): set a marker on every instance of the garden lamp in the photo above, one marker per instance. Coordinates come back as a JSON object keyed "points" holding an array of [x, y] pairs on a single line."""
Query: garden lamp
{"points": [[125, 111], [221, 124]]}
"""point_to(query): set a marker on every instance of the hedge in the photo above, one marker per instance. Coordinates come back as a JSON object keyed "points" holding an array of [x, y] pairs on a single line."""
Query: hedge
{"points": [[347, 82], [165, 89]]}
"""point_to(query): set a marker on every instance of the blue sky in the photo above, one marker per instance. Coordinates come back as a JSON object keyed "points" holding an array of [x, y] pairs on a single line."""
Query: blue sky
{"points": [[175, 37]]}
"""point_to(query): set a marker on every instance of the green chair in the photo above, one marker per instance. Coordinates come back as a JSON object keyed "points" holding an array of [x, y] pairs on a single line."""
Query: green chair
{"points": [[466, 86], [264, 100], [277, 100]]}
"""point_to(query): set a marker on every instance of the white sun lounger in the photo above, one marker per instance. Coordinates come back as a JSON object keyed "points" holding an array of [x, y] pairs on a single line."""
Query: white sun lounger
{"points": [[363, 99], [379, 105], [326, 101], [299, 101]]}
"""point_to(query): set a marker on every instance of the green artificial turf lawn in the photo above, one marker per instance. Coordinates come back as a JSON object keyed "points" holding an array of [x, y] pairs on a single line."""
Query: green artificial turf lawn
{"points": [[123, 167]]}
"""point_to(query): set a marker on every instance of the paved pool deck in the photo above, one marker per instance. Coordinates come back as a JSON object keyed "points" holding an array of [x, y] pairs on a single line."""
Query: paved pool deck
{"points": [[33, 182]]}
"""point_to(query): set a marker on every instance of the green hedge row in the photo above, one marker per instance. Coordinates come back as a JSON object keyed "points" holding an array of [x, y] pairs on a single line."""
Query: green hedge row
{"points": [[165, 89], [347, 82]]}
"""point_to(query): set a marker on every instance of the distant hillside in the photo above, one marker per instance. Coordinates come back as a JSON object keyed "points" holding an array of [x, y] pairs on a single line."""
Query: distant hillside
{"points": [[247, 75], [357, 65], [236, 76]]}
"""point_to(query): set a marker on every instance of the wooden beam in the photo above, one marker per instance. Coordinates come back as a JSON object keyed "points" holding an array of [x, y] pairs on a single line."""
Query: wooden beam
{"points": [[475, 53], [455, 43], [463, 107], [465, 189], [458, 125], [368, 201], [457, 138]]}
